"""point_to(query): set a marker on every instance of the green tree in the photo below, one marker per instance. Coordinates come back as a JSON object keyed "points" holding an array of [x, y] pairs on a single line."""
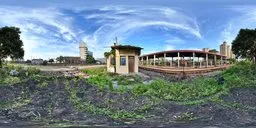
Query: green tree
{"points": [[51, 60], [60, 59], [244, 44], [10, 44], [213, 51], [90, 59]]}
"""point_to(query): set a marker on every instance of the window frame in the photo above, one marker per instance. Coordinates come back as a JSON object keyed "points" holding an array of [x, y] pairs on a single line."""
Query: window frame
{"points": [[123, 57]]}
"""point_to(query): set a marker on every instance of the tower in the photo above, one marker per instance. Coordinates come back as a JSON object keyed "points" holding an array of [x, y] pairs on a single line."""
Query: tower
{"points": [[83, 51]]}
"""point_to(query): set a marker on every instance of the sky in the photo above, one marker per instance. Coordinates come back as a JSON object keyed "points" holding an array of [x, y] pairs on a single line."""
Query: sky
{"points": [[51, 28]]}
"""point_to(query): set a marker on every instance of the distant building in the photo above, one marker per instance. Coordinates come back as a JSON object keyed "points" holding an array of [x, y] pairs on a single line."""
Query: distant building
{"points": [[125, 60], [90, 53], [101, 60], [71, 60], [83, 51], [83, 55], [37, 61], [206, 49], [225, 49]]}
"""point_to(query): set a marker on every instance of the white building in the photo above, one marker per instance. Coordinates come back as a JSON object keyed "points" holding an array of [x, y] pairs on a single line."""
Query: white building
{"points": [[83, 51], [37, 61]]}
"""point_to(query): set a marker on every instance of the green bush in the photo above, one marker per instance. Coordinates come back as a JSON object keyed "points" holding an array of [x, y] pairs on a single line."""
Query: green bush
{"points": [[95, 71], [33, 71], [179, 91]]}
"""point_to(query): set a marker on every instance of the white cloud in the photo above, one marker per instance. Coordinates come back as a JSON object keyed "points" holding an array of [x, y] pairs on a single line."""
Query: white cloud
{"points": [[50, 32], [122, 26], [40, 27], [245, 18]]}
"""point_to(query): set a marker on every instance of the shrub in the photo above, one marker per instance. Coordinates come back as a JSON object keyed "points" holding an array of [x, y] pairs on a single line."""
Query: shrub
{"points": [[33, 71]]}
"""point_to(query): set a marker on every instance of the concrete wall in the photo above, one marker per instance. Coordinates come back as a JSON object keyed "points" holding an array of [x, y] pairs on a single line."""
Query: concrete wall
{"points": [[110, 68], [124, 69]]}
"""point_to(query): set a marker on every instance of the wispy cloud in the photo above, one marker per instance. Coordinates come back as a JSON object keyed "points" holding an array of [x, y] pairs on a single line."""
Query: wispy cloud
{"points": [[50, 32], [245, 19], [122, 22], [41, 28]]}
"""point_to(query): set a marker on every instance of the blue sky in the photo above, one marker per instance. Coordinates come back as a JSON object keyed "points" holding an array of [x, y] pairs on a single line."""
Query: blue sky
{"points": [[51, 28]]}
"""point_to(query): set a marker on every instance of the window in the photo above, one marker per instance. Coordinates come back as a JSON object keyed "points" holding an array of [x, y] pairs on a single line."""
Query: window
{"points": [[122, 60]]}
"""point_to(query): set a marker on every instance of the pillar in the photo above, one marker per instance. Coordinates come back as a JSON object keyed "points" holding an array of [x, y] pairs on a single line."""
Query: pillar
{"points": [[147, 60], [154, 60], [171, 62], [215, 60], [164, 59], [221, 61], [178, 59], [206, 60], [193, 59]]}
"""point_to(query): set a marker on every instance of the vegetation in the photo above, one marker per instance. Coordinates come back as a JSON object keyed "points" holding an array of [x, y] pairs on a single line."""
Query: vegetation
{"points": [[213, 51], [244, 44], [6, 78], [51, 60], [90, 59], [60, 59], [10, 44]]}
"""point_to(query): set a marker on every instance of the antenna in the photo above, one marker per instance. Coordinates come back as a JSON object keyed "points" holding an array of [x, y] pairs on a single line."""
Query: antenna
{"points": [[116, 41]]}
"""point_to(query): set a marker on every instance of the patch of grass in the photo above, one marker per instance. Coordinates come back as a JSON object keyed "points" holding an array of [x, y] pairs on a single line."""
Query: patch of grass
{"points": [[179, 91], [88, 107], [95, 71]]}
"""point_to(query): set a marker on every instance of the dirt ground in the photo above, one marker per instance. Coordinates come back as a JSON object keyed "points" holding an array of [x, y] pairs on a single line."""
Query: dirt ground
{"points": [[29, 105]]}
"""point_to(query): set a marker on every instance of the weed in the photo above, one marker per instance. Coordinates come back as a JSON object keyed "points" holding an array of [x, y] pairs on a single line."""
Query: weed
{"points": [[185, 116]]}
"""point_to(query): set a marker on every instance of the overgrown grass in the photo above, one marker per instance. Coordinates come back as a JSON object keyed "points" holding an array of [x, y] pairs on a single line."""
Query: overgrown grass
{"points": [[242, 74], [179, 91], [88, 107], [7, 79]]}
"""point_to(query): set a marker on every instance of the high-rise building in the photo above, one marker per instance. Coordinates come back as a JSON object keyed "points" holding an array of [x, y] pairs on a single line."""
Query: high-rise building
{"points": [[225, 49], [83, 51]]}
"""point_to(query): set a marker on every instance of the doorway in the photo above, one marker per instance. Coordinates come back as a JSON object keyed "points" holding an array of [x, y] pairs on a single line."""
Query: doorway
{"points": [[131, 64]]}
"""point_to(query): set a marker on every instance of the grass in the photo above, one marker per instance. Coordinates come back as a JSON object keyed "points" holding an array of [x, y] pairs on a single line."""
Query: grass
{"points": [[196, 91], [23, 73], [89, 107]]}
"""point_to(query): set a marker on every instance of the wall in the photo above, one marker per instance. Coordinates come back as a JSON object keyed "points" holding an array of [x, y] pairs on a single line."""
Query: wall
{"points": [[110, 68], [125, 69]]}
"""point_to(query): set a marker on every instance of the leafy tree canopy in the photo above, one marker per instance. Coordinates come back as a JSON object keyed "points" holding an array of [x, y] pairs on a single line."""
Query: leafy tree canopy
{"points": [[90, 59], [244, 44], [213, 51], [10, 43], [60, 59]]}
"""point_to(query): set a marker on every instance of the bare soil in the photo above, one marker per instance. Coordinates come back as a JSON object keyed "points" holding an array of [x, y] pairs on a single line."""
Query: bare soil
{"points": [[51, 106]]}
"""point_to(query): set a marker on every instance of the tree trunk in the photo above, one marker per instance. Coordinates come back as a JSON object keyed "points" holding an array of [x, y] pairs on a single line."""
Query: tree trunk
{"points": [[254, 59]]}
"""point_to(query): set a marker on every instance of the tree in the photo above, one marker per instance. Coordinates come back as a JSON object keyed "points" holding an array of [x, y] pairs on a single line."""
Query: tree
{"points": [[60, 59], [244, 44], [213, 51], [51, 60], [90, 59], [28, 62], [10, 44]]}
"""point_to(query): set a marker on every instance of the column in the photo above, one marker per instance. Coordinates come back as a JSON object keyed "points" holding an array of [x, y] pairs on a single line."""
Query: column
{"points": [[199, 62], [171, 62], [221, 61], [193, 59], [164, 59], [154, 60], [178, 59], [215, 60], [147, 60], [206, 60]]}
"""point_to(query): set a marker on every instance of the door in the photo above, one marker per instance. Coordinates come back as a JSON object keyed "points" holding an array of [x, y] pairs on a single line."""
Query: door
{"points": [[131, 64]]}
